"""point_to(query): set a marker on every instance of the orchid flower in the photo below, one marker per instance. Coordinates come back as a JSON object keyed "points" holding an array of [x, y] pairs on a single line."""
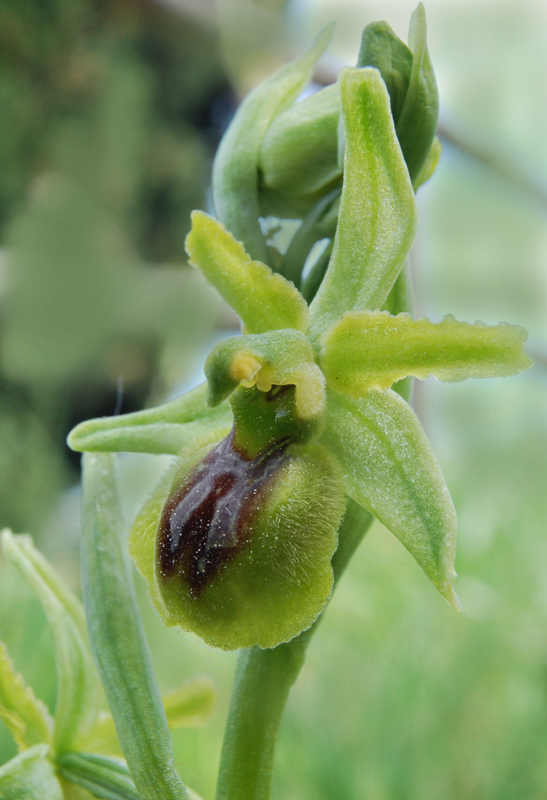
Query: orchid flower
{"points": [[303, 409]]}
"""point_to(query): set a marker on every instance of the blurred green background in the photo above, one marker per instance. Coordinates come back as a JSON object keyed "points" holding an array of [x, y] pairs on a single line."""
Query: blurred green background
{"points": [[110, 115]]}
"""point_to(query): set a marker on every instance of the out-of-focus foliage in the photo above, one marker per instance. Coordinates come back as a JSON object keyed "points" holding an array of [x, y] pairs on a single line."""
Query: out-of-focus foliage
{"points": [[110, 116], [117, 94]]}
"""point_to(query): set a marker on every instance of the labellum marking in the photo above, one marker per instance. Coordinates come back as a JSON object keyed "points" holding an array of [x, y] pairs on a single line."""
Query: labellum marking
{"points": [[208, 519]]}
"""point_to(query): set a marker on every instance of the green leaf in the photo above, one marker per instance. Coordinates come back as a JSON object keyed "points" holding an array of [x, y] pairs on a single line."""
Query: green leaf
{"points": [[278, 358], [235, 170], [372, 350], [263, 300], [417, 122], [377, 220], [390, 470], [26, 717], [118, 640], [30, 776], [105, 778], [78, 687], [167, 429], [189, 706]]}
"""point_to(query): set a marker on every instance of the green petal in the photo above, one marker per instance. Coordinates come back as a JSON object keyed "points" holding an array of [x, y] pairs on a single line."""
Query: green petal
{"points": [[78, 687], [390, 470], [30, 776], [166, 429], [377, 219], [118, 639], [263, 300], [278, 358], [235, 171], [372, 350], [26, 717], [400, 300]]}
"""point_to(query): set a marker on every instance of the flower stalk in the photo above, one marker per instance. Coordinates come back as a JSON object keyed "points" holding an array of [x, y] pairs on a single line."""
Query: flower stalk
{"points": [[261, 690]]}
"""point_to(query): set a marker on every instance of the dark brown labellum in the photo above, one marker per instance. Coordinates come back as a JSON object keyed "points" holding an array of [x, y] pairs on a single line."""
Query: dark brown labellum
{"points": [[208, 518]]}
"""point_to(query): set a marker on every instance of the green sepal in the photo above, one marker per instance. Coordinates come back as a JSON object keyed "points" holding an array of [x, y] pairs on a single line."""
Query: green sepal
{"points": [[166, 429], [25, 716], [389, 469], [278, 579], [377, 219], [78, 687], [263, 300], [371, 350], [299, 155], [117, 637], [278, 358], [189, 706], [236, 166], [103, 777], [30, 776]]}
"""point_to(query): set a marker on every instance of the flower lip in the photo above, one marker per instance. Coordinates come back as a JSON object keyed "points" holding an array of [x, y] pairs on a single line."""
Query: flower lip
{"points": [[209, 518]]}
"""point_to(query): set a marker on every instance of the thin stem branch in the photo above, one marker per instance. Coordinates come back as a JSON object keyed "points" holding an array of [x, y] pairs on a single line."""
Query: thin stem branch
{"points": [[261, 689]]}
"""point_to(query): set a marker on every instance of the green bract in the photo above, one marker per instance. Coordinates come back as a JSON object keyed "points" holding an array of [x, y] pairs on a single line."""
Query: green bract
{"points": [[48, 747], [299, 412]]}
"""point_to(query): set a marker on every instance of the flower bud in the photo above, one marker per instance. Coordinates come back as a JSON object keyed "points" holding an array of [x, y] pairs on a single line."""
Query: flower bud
{"points": [[300, 154], [242, 538]]}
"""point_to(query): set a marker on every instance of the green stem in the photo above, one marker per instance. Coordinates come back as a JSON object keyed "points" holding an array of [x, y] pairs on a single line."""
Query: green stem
{"points": [[261, 689], [117, 637]]}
